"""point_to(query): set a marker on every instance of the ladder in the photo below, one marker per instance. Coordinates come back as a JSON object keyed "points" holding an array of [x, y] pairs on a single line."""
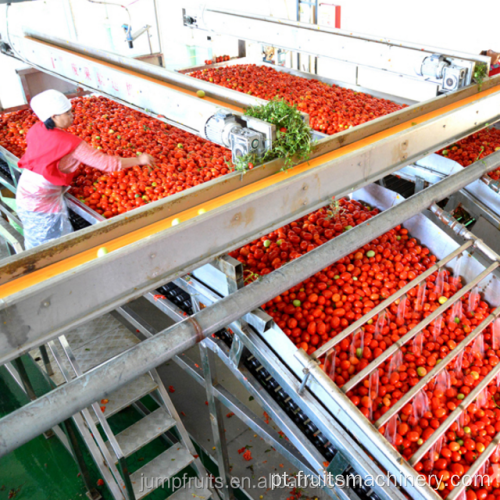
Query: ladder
{"points": [[90, 345]]}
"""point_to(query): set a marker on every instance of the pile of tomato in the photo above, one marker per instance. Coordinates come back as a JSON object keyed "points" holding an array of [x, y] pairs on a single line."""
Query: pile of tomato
{"points": [[217, 59], [331, 109], [318, 309], [475, 147], [183, 159]]}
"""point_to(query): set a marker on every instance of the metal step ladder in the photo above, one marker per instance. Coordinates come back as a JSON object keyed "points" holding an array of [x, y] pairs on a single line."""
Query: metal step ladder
{"points": [[90, 345]]}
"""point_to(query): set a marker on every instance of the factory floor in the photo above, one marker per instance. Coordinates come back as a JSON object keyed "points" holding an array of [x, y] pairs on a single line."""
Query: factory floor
{"points": [[44, 470]]}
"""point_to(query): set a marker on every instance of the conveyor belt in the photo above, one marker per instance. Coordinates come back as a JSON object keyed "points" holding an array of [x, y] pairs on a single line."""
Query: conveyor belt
{"points": [[72, 262], [125, 71], [183, 301]]}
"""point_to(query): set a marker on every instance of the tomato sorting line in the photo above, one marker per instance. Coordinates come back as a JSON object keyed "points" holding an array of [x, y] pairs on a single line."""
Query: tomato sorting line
{"points": [[325, 348], [414, 331], [231, 309], [437, 369], [476, 467], [424, 448]]}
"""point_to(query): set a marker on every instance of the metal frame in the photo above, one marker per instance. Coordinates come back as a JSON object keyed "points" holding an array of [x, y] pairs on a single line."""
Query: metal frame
{"points": [[192, 331], [188, 332], [390, 55], [173, 252], [301, 74]]}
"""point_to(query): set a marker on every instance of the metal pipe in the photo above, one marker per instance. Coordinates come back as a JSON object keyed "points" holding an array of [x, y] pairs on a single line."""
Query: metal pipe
{"points": [[414, 331], [492, 184], [146, 69], [17, 428], [407, 473], [387, 302], [462, 231], [454, 415], [437, 369]]}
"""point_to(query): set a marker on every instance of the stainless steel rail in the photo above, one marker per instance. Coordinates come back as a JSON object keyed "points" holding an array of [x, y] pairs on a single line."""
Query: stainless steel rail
{"points": [[436, 435], [476, 467], [176, 251], [437, 369], [42, 414], [414, 331], [325, 348], [386, 454]]}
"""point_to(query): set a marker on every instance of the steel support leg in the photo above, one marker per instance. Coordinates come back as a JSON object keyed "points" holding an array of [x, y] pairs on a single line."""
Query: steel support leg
{"points": [[419, 184], [92, 493], [46, 360], [216, 420]]}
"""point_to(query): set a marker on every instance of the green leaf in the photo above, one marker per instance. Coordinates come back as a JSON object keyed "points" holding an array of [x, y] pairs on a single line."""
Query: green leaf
{"points": [[294, 145]]}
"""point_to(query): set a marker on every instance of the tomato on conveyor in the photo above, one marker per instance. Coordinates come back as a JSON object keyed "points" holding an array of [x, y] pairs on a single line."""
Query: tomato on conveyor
{"points": [[475, 147], [183, 159], [321, 307], [331, 109]]}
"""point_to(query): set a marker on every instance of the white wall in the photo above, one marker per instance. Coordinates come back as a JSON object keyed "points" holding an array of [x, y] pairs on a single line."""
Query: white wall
{"points": [[91, 24], [452, 24]]}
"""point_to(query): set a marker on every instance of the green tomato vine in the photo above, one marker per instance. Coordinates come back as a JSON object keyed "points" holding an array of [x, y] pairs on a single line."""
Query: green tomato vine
{"points": [[293, 141]]}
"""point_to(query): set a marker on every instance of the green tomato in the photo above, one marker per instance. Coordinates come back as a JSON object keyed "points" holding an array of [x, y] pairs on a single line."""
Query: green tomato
{"points": [[267, 243], [297, 303], [457, 320], [154, 184], [336, 277], [279, 242], [359, 352], [398, 237], [422, 372], [460, 396], [370, 254], [102, 252], [467, 430], [347, 228], [442, 300]]}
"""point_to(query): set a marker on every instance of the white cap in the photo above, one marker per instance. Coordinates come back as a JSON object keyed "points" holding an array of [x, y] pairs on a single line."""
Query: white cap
{"points": [[50, 103]]}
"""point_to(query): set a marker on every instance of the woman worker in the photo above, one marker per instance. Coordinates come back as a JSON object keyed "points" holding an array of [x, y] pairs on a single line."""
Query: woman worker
{"points": [[49, 166]]}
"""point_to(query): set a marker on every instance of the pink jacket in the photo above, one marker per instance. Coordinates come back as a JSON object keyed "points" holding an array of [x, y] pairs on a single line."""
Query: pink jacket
{"points": [[36, 194]]}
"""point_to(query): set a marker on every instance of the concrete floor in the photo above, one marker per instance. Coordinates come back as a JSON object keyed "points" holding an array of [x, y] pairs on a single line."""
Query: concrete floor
{"points": [[189, 399]]}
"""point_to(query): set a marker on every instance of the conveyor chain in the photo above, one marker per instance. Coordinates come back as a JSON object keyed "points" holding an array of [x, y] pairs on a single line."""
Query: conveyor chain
{"points": [[5, 171], [183, 301]]}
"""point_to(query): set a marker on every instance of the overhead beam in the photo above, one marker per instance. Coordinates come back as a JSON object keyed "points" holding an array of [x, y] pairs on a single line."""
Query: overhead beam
{"points": [[377, 52], [44, 413], [31, 312]]}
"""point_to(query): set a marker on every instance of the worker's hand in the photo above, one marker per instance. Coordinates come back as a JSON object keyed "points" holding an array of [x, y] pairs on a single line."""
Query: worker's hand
{"points": [[148, 160], [495, 56]]}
